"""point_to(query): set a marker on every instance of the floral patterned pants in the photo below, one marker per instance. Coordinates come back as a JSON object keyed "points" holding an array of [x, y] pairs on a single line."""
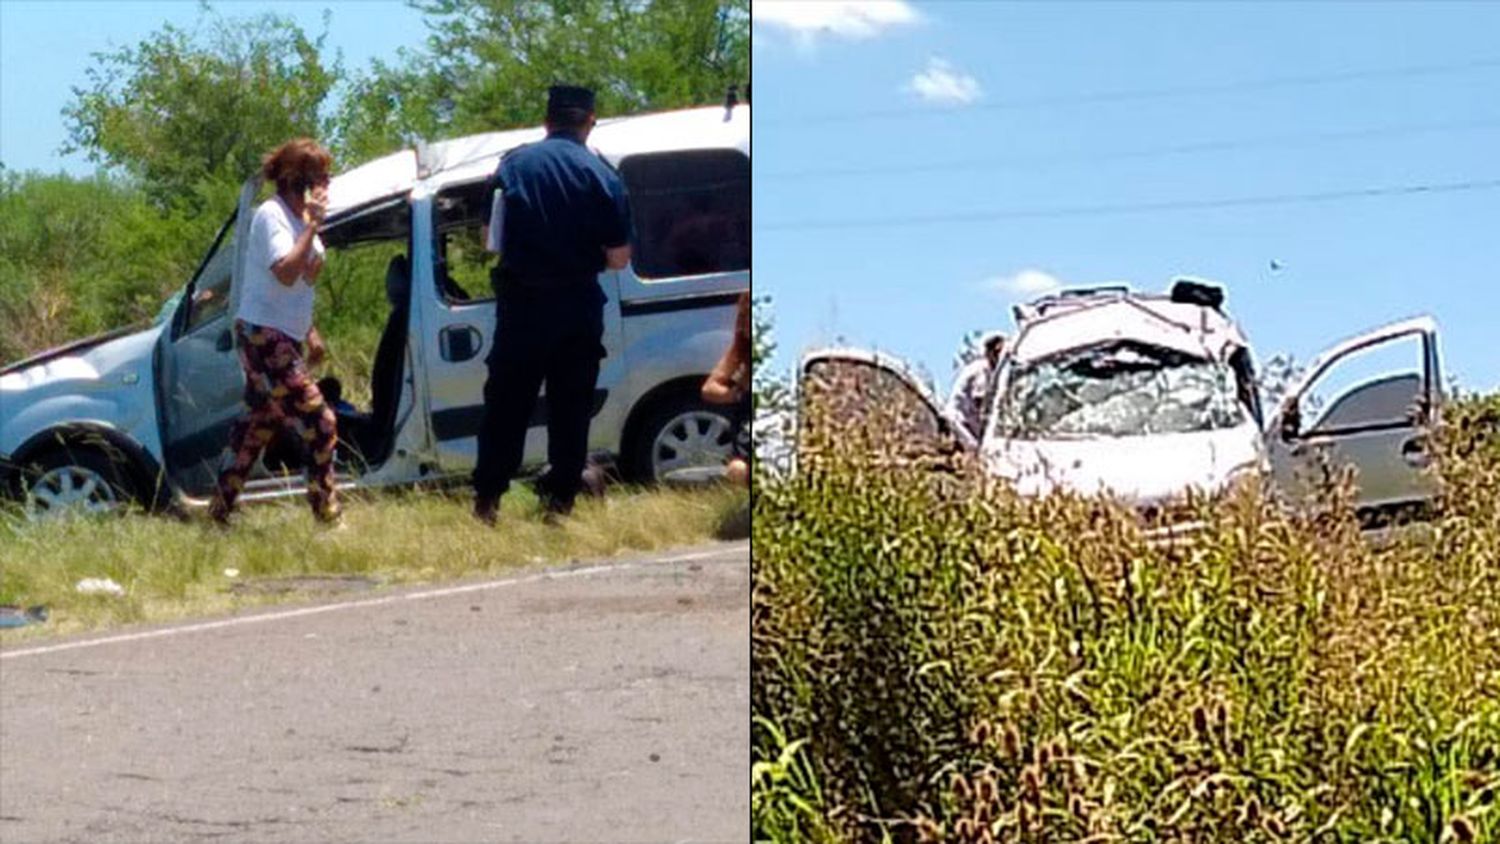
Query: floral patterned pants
{"points": [[279, 396]]}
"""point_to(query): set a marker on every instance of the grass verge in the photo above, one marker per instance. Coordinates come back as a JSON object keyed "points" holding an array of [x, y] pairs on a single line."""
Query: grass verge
{"points": [[173, 569]]}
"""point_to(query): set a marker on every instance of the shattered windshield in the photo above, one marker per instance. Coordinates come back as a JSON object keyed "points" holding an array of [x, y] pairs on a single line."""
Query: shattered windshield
{"points": [[1119, 390]]}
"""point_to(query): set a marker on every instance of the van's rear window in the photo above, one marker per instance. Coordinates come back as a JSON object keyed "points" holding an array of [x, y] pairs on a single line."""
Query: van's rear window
{"points": [[691, 210]]}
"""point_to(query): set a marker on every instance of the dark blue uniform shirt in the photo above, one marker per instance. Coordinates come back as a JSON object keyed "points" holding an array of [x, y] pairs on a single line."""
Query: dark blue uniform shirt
{"points": [[563, 206]]}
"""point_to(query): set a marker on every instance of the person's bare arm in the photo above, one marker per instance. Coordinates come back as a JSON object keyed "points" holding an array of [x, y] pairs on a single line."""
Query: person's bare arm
{"points": [[722, 385], [617, 257], [298, 262], [294, 264], [314, 268]]}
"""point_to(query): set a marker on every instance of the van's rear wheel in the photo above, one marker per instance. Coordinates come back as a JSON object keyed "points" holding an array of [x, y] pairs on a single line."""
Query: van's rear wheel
{"points": [[83, 481], [683, 439]]}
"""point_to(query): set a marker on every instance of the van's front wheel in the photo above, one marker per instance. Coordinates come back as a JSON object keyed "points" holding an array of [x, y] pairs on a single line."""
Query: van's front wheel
{"points": [[683, 440], [77, 480]]}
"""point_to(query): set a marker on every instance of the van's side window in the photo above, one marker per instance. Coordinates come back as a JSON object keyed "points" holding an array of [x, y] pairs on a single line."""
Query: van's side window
{"points": [[691, 210], [211, 292]]}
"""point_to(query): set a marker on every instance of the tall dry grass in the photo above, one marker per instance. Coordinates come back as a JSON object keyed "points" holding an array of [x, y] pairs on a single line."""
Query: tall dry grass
{"points": [[936, 658]]}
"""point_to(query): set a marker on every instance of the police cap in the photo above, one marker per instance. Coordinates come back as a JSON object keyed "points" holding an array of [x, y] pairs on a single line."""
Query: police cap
{"points": [[569, 96]]}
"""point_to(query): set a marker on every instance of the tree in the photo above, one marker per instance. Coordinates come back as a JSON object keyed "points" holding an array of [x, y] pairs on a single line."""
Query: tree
{"points": [[489, 63], [1277, 378], [189, 115], [774, 403], [79, 256]]}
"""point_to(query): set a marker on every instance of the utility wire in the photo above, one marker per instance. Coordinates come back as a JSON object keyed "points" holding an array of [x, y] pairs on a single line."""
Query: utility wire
{"points": [[1012, 163], [1130, 208], [1144, 94]]}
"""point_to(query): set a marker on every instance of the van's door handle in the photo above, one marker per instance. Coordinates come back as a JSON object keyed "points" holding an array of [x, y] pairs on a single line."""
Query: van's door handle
{"points": [[458, 343], [1414, 452], [1305, 446], [226, 341]]}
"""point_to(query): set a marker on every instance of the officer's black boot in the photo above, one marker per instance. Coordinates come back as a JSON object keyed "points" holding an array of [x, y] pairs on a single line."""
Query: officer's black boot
{"points": [[554, 504], [487, 510], [554, 509]]}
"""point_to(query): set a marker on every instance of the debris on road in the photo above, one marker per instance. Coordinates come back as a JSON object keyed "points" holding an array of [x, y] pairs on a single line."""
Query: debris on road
{"points": [[13, 616], [99, 586]]}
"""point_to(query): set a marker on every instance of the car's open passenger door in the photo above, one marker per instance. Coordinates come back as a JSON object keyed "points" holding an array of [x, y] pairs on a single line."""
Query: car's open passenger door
{"points": [[853, 397], [1369, 402]]}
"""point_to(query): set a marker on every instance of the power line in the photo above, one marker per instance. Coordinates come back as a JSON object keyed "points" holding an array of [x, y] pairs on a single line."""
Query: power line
{"points": [[1144, 94], [993, 163], [1133, 208]]}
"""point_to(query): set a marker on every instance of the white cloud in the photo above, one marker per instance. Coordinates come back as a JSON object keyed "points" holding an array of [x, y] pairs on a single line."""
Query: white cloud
{"points": [[943, 83], [1026, 284], [855, 20]]}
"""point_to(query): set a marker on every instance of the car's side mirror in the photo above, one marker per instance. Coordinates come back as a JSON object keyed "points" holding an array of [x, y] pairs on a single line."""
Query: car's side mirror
{"points": [[1291, 420]]}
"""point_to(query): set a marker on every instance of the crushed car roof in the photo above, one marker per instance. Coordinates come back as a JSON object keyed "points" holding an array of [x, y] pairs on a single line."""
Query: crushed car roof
{"points": [[474, 157], [1122, 315]]}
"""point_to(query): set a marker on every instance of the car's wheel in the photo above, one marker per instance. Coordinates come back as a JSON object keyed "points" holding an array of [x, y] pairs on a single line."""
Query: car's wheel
{"points": [[682, 439], [77, 480]]}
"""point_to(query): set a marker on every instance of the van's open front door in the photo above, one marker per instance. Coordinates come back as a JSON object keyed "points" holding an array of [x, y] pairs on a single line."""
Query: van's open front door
{"points": [[1369, 402], [865, 399], [200, 381]]}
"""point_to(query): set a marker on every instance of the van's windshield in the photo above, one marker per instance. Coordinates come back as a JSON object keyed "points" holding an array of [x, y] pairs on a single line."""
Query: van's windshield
{"points": [[1117, 390]]}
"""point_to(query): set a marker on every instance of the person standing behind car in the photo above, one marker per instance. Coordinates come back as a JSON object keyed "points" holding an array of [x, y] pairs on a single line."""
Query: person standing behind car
{"points": [[729, 383], [967, 400], [274, 318], [564, 217]]}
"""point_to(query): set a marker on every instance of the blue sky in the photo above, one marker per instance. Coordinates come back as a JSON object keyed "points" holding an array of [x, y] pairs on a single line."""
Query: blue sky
{"points": [[45, 50], [1035, 123]]}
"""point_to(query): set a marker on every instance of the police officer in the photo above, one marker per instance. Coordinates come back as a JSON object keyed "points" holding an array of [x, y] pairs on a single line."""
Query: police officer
{"points": [[563, 218]]}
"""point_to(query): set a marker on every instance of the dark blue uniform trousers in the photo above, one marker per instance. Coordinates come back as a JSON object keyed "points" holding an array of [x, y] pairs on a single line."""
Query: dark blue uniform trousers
{"points": [[552, 337]]}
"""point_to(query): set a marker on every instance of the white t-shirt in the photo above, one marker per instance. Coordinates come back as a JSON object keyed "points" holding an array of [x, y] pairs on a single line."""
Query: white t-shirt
{"points": [[967, 400], [265, 300]]}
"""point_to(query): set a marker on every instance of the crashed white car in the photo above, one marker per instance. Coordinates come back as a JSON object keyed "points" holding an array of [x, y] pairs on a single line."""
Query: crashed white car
{"points": [[1148, 397], [144, 415], [1140, 396]]}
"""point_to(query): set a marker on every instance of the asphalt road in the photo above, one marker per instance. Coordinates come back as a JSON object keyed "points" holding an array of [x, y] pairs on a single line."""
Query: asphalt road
{"points": [[600, 703]]}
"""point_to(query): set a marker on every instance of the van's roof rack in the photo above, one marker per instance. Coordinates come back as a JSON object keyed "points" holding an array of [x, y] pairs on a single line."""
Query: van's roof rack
{"points": [[1041, 305]]}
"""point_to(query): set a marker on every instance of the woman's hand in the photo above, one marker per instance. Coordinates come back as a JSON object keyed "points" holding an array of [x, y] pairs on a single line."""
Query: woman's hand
{"points": [[317, 351], [301, 261], [317, 205], [719, 389]]}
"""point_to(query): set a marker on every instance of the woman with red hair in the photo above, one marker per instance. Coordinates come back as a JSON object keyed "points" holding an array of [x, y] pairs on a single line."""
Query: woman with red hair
{"points": [[274, 319]]}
